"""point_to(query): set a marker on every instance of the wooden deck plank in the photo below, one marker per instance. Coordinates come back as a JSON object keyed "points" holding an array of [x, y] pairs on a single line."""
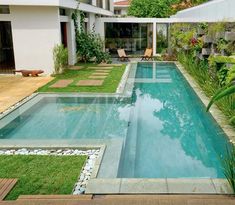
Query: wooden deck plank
{"points": [[6, 186]]}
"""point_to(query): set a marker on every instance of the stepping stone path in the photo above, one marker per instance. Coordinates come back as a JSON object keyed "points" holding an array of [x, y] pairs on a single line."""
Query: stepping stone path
{"points": [[61, 84], [108, 65], [90, 83]]}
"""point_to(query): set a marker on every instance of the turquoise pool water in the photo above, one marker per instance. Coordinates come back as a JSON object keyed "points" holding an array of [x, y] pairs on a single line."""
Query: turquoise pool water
{"points": [[164, 126]]}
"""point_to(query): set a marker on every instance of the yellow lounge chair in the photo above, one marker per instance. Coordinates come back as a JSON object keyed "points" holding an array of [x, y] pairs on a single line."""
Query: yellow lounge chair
{"points": [[122, 55], [148, 54]]}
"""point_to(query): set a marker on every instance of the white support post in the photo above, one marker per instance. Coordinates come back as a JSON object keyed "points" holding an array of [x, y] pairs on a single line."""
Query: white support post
{"points": [[154, 38], [71, 39]]}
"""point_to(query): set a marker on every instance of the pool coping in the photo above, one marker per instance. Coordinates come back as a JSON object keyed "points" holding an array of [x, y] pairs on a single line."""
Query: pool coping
{"points": [[113, 185]]}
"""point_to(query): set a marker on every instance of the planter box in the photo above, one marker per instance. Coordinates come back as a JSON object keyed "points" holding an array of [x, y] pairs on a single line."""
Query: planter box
{"points": [[206, 51], [200, 31], [229, 36], [219, 35], [207, 39]]}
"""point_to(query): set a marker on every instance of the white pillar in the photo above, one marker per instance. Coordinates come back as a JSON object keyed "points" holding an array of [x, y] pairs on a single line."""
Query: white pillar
{"points": [[154, 38], [71, 39], [91, 22], [104, 4], [94, 2]]}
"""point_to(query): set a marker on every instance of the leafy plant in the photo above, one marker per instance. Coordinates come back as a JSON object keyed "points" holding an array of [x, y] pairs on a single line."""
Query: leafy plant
{"points": [[229, 167], [90, 47], [151, 8], [60, 57], [222, 45], [222, 75]]}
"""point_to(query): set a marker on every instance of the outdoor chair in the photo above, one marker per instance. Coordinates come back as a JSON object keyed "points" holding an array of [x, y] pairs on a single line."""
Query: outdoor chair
{"points": [[122, 55], [148, 54]]}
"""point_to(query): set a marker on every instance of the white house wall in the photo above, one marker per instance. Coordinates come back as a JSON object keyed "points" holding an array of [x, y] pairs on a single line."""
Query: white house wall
{"points": [[35, 30], [217, 10]]}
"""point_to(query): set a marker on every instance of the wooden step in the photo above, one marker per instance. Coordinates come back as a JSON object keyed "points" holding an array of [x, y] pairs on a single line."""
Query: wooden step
{"points": [[6, 186]]}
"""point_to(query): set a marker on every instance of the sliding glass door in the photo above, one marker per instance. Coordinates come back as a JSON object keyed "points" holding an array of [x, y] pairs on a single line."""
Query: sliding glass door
{"points": [[7, 63]]}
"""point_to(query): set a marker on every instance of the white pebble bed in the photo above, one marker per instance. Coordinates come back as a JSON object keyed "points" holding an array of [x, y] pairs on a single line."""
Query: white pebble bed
{"points": [[92, 155]]}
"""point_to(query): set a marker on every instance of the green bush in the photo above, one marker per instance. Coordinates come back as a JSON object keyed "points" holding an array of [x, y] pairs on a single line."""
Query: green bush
{"points": [[90, 47], [60, 56]]}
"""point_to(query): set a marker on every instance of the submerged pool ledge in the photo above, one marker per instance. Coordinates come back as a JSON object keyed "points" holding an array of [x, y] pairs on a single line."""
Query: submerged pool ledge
{"points": [[217, 114], [158, 186]]}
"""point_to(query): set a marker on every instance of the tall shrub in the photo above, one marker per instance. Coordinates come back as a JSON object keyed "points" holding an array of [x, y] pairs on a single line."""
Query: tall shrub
{"points": [[90, 47], [60, 56]]}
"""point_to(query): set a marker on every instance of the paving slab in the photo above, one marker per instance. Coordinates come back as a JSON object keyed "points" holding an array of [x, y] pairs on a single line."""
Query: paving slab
{"points": [[103, 186], [108, 65], [61, 84], [222, 186], [102, 68], [101, 74], [90, 83], [103, 71], [137, 186], [97, 77], [196, 186], [76, 67]]}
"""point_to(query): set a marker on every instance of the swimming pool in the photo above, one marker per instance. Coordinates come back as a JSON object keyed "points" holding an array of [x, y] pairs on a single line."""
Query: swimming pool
{"points": [[165, 130]]}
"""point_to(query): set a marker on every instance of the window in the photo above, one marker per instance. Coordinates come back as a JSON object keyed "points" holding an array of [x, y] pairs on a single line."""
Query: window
{"points": [[117, 12], [4, 9], [62, 12]]}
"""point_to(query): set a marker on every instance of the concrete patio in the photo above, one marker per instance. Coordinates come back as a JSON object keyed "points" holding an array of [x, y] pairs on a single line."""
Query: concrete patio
{"points": [[15, 88]]}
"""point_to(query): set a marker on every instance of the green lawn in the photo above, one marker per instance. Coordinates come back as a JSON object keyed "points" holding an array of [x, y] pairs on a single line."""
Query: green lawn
{"points": [[110, 83], [41, 174]]}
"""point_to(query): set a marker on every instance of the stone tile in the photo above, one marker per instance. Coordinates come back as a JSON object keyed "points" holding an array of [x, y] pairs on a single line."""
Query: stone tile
{"points": [[144, 186], [101, 74], [103, 186], [222, 186], [61, 84], [102, 68], [76, 67], [108, 65], [97, 77], [90, 83], [192, 186], [103, 71]]}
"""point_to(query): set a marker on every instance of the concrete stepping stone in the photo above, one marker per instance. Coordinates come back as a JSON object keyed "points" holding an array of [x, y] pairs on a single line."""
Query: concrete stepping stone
{"points": [[101, 68], [104, 74], [108, 65], [61, 84], [90, 83], [76, 67], [97, 77], [103, 71]]}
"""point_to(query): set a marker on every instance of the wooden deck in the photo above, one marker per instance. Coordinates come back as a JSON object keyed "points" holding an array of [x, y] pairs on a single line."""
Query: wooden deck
{"points": [[5, 187], [123, 200]]}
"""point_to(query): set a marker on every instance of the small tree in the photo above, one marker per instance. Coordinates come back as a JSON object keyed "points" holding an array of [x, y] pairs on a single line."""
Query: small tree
{"points": [[60, 56]]}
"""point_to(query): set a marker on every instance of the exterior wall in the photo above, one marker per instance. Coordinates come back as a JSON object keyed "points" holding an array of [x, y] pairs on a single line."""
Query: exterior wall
{"points": [[36, 30], [217, 10], [123, 10]]}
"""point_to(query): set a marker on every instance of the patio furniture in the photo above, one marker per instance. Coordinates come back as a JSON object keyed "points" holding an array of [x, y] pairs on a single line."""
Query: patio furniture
{"points": [[122, 55], [26, 73], [148, 54]]}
